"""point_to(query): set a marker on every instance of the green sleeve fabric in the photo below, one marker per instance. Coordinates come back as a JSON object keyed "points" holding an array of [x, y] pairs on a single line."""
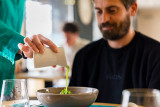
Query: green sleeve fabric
{"points": [[9, 40], [11, 17]]}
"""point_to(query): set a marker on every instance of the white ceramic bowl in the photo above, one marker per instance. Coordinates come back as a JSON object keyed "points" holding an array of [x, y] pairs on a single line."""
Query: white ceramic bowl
{"points": [[79, 97]]}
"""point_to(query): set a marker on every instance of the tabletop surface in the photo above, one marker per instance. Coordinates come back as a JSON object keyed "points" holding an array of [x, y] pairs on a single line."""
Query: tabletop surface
{"points": [[106, 104], [46, 77]]}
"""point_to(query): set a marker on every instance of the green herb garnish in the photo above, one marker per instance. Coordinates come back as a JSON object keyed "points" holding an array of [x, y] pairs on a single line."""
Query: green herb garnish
{"points": [[65, 91]]}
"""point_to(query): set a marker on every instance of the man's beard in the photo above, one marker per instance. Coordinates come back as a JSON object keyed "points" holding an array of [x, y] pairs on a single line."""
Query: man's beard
{"points": [[117, 32]]}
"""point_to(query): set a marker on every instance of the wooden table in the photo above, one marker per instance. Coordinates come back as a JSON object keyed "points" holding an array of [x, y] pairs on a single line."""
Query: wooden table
{"points": [[39, 79], [46, 78], [106, 104]]}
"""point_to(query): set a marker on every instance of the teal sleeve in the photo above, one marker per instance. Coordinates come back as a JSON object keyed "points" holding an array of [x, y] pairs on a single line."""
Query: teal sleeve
{"points": [[9, 40]]}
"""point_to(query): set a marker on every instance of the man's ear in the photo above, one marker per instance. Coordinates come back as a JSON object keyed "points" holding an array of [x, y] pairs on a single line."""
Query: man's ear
{"points": [[133, 9]]}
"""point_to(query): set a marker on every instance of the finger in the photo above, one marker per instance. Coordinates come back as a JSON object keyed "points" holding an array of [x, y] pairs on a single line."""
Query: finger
{"points": [[22, 47], [43, 44], [31, 45], [49, 43], [38, 44], [26, 50]]}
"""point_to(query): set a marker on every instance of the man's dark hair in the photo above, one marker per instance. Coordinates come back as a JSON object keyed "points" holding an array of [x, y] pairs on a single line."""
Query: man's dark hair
{"points": [[127, 3], [70, 27]]}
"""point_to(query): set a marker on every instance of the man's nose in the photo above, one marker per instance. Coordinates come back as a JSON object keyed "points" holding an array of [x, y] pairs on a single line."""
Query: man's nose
{"points": [[105, 17]]}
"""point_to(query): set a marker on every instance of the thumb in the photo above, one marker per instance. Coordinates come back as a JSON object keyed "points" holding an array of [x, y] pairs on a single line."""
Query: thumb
{"points": [[23, 48]]}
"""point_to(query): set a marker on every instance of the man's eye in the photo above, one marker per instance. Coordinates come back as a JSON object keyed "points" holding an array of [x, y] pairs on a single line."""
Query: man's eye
{"points": [[98, 12], [113, 10]]}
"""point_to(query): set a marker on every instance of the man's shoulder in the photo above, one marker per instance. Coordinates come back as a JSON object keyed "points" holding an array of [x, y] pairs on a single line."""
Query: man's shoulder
{"points": [[147, 41]]}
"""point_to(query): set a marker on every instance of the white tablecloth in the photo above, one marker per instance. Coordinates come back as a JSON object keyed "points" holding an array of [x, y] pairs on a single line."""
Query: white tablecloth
{"points": [[34, 102]]}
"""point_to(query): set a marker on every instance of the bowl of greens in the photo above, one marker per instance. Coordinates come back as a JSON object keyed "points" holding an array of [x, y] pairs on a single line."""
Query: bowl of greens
{"points": [[67, 97]]}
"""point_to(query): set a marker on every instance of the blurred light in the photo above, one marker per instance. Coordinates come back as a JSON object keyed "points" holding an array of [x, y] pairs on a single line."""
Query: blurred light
{"points": [[38, 18], [69, 2]]}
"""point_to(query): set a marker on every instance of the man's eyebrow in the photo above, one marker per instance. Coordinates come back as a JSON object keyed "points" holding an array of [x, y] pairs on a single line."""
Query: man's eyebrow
{"points": [[112, 6], [97, 8]]}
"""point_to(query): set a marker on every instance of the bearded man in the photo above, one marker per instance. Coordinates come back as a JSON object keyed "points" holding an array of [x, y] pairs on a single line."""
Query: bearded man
{"points": [[122, 59]]}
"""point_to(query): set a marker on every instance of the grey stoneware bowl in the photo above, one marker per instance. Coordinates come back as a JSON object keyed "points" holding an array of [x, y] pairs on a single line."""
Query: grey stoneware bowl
{"points": [[79, 97]]}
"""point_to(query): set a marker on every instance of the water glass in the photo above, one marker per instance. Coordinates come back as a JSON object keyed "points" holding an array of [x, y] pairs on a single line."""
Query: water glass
{"points": [[141, 98], [14, 93]]}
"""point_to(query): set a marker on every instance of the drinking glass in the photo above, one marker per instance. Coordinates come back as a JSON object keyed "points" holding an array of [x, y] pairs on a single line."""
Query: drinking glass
{"points": [[141, 98], [14, 93]]}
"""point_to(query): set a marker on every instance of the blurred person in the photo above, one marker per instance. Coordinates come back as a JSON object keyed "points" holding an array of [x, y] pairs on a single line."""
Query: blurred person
{"points": [[72, 45], [73, 41], [11, 17], [122, 59]]}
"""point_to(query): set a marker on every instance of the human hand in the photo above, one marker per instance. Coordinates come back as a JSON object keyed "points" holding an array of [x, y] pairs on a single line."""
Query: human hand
{"points": [[36, 44]]}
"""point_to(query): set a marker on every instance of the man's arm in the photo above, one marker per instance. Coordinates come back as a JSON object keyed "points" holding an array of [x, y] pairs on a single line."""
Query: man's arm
{"points": [[79, 73], [154, 68], [155, 77]]}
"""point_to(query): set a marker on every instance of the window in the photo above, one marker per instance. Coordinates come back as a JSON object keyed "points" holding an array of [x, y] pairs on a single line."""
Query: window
{"points": [[46, 17]]}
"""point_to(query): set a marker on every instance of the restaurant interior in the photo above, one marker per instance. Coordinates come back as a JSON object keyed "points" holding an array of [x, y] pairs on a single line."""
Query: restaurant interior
{"points": [[46, 17]]}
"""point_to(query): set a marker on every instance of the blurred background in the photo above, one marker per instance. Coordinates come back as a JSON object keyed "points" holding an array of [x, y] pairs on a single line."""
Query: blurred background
{"points": [[47, 17]]}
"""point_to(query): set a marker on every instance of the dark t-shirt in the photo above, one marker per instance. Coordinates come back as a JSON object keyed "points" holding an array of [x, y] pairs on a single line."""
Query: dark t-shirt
{"points": [[136, 65]]}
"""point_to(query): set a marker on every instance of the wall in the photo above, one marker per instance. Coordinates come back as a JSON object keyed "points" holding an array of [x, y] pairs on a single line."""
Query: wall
{"points": [[148, 22]]}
